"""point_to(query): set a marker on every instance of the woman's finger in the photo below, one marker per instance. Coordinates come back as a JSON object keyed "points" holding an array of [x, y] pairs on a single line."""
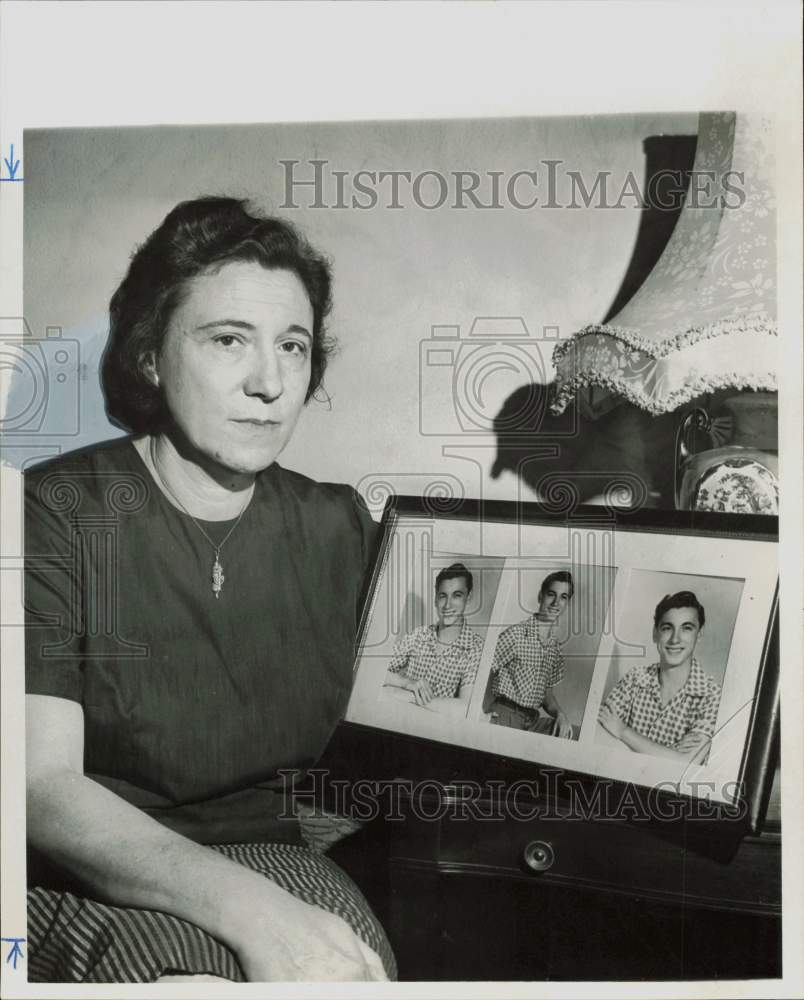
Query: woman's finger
{"points": [[362, 964], [376, 970]]}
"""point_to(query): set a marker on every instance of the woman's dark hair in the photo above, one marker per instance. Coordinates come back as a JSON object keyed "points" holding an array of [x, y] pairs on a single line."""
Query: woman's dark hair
{"points": [[683, 599], [452, 573], [195, 238], [560, 576]]}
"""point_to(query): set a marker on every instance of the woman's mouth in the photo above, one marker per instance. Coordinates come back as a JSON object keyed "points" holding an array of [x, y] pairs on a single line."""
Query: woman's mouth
{"points": [[255, 422]]}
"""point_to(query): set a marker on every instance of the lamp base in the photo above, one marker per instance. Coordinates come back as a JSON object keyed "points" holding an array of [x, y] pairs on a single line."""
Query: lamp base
{"points": [[740, 473]]}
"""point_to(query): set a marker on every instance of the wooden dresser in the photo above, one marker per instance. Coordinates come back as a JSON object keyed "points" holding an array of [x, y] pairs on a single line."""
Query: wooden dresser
{"points": [[578, 899], [488, 890]]}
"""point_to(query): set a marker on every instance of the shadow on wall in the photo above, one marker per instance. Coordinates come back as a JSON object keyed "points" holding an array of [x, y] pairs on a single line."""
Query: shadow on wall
{"points": [[589, 457], [551, 452]]}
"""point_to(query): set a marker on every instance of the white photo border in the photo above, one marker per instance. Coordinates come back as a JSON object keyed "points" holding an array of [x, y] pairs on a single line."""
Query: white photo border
{"points": [[713, 546]]}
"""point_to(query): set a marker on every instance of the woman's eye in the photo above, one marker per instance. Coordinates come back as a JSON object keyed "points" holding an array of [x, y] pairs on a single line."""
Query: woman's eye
{"points": [[226, 340], [298, 347]]}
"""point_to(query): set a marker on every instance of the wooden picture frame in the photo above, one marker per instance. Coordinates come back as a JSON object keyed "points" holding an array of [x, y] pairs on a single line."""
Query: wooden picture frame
{"points": [[622, 564]]}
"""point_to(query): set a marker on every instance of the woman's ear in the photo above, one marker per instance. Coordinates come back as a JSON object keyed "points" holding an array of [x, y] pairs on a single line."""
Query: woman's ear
{"points": [[149, 368]]}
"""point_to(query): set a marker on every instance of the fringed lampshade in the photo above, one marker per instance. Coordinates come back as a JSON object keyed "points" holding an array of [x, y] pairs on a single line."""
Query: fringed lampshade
{"points": [[699, 337], [705, 317]]}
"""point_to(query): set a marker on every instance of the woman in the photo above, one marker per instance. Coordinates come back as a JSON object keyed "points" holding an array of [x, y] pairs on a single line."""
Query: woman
{"points": [[192, 611], [438, 663]]}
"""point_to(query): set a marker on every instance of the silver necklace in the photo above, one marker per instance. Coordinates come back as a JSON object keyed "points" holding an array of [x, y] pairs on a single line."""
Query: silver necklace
{"points": [[217, 567]]}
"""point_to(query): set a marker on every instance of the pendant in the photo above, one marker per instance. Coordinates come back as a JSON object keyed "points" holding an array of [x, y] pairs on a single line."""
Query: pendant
{"points": [[217, 578]]}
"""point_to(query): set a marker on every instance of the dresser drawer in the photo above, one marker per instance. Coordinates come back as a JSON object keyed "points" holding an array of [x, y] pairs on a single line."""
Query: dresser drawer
{"points": [[613, 856], [609, 855]]}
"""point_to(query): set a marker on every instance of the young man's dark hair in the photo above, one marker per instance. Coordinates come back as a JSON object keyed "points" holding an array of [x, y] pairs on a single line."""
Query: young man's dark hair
{"points": [[453, 572], [560, 576], [683, 599]]}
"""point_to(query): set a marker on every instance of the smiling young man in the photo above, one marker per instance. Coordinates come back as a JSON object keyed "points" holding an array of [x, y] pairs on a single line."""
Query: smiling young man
{"points": [[528, 664], [438, 662], [668, 709]]}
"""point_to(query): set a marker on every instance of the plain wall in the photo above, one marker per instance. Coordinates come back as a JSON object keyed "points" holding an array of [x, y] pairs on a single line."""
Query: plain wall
{"points": [[93, 195]]}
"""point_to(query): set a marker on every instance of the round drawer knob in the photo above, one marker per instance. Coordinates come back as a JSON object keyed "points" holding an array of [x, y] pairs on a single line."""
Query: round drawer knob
{"points": [[539, 855]]}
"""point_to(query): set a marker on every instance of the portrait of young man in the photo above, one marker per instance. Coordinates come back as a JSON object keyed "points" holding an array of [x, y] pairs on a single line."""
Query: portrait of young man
{"points": [[436, 665], [528, 664], [668, 708]]}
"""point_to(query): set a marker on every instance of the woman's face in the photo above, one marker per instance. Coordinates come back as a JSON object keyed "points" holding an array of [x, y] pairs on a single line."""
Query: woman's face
{"points": [[235, 364]]}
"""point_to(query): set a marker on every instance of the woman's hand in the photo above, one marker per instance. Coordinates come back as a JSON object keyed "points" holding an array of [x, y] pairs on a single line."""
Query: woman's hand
{"points": [[421, 691], [286, 940], [126, 857]]}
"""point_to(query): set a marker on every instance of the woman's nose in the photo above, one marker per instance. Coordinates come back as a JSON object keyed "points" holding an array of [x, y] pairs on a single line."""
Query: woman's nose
{"points": [[265, 376]]}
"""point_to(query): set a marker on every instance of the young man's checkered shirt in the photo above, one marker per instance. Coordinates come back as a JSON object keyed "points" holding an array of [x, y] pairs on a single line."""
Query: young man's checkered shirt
{"points": [[527, 663], [446, 668], [636, 699]]}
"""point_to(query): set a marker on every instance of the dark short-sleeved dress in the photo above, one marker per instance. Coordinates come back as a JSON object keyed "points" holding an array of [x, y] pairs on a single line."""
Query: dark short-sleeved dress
{"points": [[193, 705]]}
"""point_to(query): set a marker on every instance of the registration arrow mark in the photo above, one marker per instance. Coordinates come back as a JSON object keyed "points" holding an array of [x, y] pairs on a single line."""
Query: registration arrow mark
{"points": [[12, 165]]}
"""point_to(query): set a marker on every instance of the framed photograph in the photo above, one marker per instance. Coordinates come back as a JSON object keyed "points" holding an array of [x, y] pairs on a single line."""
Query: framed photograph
{"points": [[635, 647]]}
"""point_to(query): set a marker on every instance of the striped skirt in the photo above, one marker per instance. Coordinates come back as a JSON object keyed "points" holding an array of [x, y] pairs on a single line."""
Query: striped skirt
{"points": [[71, 939]]}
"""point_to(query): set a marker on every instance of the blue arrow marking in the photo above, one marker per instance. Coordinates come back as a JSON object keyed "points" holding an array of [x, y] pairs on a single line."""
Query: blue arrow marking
{"points": [[12, 165], [15, 951]]}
